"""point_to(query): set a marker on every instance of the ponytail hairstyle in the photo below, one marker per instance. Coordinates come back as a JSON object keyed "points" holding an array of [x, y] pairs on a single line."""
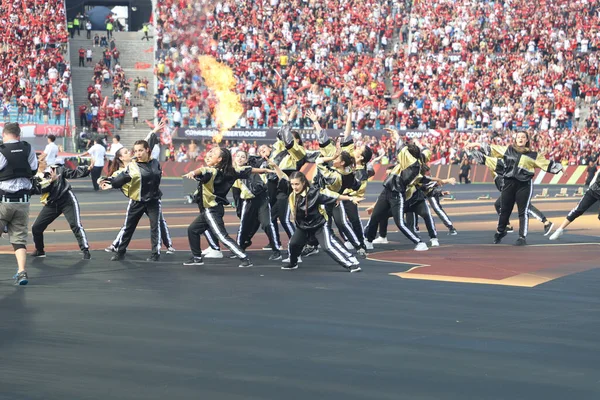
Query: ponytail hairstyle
{"points": [[347, 159], [226, 164], [305, 184], [367, 154], [116, 163]]}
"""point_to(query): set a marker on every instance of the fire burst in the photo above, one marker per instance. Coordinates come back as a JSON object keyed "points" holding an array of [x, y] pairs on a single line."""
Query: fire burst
{"points": [[220, 80]]}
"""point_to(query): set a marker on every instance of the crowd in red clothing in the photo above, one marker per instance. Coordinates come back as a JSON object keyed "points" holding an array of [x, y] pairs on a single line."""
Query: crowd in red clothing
{"points": [[34, 74], [103, 114], [444, 65], [314, 53]]}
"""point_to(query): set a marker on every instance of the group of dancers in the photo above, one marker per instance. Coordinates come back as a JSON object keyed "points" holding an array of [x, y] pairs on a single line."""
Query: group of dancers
{"points": [[269, 190]]}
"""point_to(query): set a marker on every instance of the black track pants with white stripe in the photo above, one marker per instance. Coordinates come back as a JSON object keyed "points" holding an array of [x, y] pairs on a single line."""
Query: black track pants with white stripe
{"points": [[281, 211], [337, 214], [212, 219], [434, 202], [327, 241], [165, 234], [515, 191], [67, 205], [353, 216], [135, 211], [394, 202], [422, 210], [256, 213], [589, 199], [533, 211]]}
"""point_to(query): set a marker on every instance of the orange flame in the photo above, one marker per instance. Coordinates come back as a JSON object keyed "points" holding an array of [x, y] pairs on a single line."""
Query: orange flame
{"points": [[220, 80]]}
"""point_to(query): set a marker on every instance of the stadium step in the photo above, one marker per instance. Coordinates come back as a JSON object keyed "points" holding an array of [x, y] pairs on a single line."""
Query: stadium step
{"points": [[137, 59]]}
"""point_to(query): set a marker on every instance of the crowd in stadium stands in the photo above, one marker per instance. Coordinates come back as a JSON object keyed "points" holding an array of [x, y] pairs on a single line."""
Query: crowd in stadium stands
{"points": [[34, 74], [442, 65], [103, 115]]}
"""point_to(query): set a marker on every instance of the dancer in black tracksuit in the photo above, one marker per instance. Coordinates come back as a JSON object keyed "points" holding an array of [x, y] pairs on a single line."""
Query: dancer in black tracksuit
{"points": [[325, 155], [254, 210], [434, 194], [306, 203], [417, 206], [496, 166], [214, 182], [58, 198], [591, 196], [394, 190], [290, 155], [139, 180], [338, 178], [519, 163], [362, 172]]}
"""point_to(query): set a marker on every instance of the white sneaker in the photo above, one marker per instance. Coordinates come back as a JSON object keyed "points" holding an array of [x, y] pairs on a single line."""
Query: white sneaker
{"points": [[212, 253], [368, 245], [349, 246], [421, 246], [287, 260], [353, 260], [381, 240], [171, 250], [435, 242], [557, 233]]}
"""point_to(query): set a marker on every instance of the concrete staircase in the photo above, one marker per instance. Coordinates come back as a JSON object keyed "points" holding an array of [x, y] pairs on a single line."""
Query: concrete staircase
{"points": [[137, 60]]}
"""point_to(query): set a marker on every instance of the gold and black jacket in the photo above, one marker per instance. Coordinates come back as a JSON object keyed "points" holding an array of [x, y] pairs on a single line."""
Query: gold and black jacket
{"points": [[289, 155], [253, 186], [140, 181], [214, 184], [308, 207], [405, 171], [521, 166], [53, 191]]}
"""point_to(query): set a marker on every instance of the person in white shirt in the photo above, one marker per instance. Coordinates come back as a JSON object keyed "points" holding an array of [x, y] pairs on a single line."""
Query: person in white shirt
{"points": [[135, 115], [177, 118], [50, 152], [98, 153], [114, 147]]}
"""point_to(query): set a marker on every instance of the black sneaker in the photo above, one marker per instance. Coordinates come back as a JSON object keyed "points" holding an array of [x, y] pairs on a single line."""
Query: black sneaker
{"points": [[309, 251], [246, 263], [87, 255], [509, 229], [275, 256], [452, 232], [38, 254], [21, 278], [118, 257], [194, 261], [362, 253], [548, 228], [521, 242], [290, 267], [498, 237], [154, 257]]}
